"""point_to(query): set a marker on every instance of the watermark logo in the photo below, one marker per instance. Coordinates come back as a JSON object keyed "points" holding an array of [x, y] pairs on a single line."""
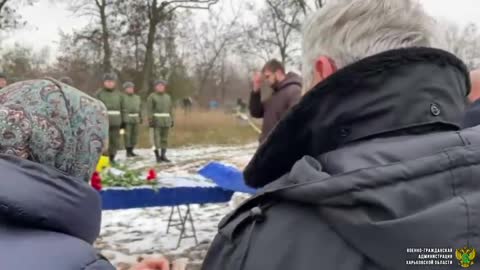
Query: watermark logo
{"points": [[465, 256]]}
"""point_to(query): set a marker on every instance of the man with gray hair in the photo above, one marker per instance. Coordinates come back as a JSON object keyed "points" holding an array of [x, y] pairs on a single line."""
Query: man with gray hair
{"points": [[371, 166]]}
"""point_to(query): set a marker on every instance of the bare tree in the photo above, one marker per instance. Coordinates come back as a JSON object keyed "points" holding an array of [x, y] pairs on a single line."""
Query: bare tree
{"points": [[308, 5], [212, 41], [80, 60], [159, 11], [101, 11], [21, 62], [2, 4], [133, 29], [9, 17], [276, 31], [465, 43]]}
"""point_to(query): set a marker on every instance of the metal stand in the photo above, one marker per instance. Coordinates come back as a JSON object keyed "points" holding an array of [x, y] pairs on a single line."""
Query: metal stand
{"points": [[180, 223]]}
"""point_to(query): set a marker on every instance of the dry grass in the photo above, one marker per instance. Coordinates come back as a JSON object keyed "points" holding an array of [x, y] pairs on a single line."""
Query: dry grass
{"points": [[204, 128]]}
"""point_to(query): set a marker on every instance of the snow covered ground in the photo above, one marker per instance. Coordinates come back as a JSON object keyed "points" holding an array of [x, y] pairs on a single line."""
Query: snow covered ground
{"points": [[189, 159], [129, 235]]}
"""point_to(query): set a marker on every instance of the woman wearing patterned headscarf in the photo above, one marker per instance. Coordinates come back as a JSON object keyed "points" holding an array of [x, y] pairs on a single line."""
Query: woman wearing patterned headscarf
{"points": [[51, 136]]}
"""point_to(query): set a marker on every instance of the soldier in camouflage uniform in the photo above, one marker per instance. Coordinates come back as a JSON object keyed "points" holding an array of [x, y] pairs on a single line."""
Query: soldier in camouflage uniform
{"points": [[3, 80], [113, 101], [161, 118], [132, 117]]}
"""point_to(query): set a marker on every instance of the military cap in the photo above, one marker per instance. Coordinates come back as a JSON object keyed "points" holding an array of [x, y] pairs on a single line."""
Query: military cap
{"points": [[128, 85], [157, 82], [110, 77]]}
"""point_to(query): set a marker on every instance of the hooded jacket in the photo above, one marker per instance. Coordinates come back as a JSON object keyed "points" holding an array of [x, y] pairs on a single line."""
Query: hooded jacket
{"points": [[472, 116], [285, 95], [376, 169], [48, 220], [52, 137]]}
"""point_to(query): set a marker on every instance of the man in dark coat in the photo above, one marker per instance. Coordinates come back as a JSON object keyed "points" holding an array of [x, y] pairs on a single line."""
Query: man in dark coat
{"points": [[287, 91], [370, 170], [472, 116]]}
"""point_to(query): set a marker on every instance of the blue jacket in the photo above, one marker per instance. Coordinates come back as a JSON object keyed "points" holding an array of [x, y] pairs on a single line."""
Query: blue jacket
{"points": [[48, 220]]}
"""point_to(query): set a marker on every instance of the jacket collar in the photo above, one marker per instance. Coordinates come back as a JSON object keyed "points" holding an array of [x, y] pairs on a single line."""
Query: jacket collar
{"points": [[291, 78], [393, 92]]}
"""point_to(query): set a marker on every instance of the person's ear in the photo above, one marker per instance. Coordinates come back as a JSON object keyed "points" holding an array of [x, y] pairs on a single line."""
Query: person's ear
{"points": [[324, 67]]}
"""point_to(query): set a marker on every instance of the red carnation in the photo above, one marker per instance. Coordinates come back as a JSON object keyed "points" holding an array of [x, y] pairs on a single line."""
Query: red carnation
{"points": [[152, 175], [96, 181]]}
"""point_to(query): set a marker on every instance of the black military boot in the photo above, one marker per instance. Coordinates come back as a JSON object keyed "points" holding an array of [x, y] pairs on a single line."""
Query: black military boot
{"points": [[132, 153], [129, 152], [164, 157], [157, 156]]}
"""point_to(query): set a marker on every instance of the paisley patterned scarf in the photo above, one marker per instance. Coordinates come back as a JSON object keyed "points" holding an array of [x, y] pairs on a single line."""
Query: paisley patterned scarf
{"points": [[53, 124]]}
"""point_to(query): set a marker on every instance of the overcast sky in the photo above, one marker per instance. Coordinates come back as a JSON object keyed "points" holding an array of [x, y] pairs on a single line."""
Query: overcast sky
{"points": [[46, 20]]}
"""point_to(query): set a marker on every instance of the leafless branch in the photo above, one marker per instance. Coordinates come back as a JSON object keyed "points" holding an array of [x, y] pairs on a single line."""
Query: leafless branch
{"points": [[278, 14], [194, 5], [2, 4], [92, 37]]}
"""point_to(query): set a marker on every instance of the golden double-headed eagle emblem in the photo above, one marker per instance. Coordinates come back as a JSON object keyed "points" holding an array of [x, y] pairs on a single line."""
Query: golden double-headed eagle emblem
{"points": [[465, 256]]}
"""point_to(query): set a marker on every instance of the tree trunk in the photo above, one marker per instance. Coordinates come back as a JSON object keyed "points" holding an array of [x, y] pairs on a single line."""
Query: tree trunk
{"points": [[222, 81], [283, 54], [148, 61], [320, 3], [2, 4], [137, 57], [107, 51]]}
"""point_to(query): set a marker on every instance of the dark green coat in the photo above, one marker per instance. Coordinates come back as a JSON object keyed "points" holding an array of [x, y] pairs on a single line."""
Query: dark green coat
{"points": [[160, 109], [113, 101], [132, 105]]}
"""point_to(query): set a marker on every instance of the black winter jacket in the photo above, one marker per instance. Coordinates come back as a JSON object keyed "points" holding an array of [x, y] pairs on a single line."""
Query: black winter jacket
{"points": [[370, 167]]}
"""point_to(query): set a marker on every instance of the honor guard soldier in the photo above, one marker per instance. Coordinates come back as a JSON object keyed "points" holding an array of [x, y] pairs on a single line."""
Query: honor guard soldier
{"points": [[132, 117], [112, 99], [161, 118]]}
